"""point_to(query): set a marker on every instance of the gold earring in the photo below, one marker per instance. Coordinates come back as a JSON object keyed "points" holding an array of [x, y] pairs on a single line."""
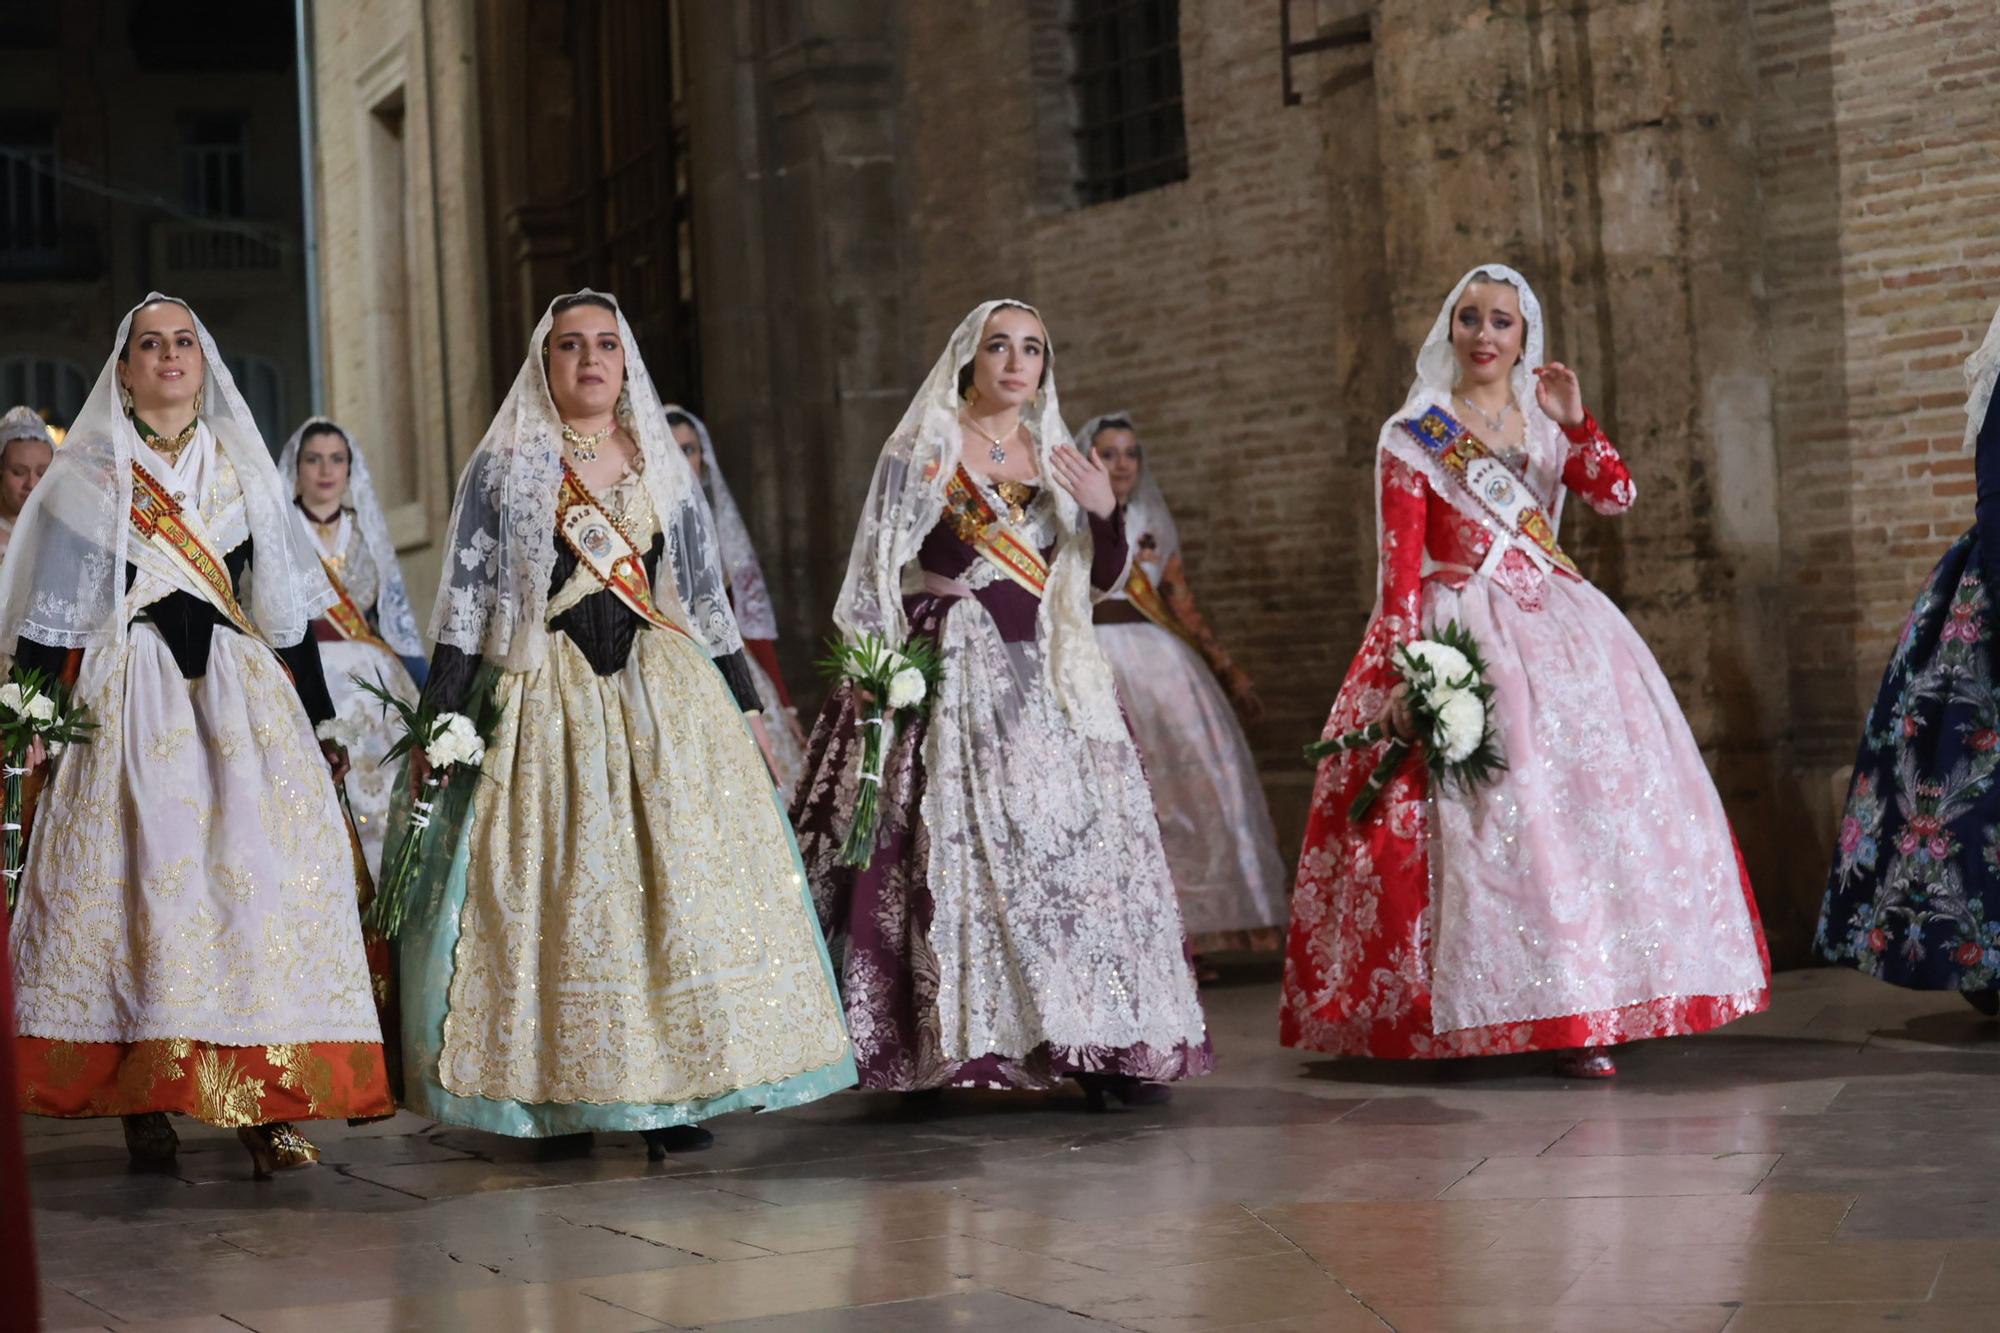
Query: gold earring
{"points": [[200, 397], [125, 399], [971, 394]]}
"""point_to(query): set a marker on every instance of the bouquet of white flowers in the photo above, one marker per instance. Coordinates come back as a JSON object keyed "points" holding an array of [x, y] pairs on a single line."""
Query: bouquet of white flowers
{"points": [[452, 743], [1451, 705], [888, 682], [32, 707]]}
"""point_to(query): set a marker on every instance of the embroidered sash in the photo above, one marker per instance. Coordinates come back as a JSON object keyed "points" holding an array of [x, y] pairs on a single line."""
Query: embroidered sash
{"points": [[1141, 592], [178, 533], [348, 619], [606, 550], [1491, 487], [990, 538]]}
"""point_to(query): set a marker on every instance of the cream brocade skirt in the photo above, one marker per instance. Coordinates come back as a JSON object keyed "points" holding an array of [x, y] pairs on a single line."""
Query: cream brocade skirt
{"points": [[635, 927], [189, 875]]}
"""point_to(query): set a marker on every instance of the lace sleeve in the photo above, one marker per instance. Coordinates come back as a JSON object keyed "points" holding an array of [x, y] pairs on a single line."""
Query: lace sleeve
{"points": [[1595, 471]]}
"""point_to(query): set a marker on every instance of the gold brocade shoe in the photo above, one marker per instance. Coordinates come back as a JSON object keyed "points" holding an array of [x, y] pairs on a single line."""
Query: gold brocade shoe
{"points": [[276, 1147], [151, 1140]]}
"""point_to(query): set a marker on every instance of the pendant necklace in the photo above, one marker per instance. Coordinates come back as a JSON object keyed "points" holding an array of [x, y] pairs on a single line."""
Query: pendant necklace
{"points": [[1496, 424], [585, 446], [997, 450]]}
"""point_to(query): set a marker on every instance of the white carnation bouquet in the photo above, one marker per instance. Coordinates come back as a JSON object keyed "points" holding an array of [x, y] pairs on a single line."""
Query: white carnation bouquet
{"points": [[1451, 706], [452, 743], [33, 707], [888, 683]]}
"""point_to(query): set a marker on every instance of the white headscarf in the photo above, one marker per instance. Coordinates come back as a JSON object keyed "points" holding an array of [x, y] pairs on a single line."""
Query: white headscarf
{"points": [[494, 597], [755, 618], [906, 498], [1982, 370], [64, 579], [24, 423], [1146, 512], [392, 604]]}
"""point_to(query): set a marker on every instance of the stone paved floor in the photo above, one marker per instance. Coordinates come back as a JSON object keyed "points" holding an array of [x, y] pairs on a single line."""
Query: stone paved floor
{"points": [[1831, 1165]]}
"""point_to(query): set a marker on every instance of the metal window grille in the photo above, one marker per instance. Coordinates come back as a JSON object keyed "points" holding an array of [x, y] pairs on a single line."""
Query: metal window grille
{"points": [[213, 161], [30, 203], [1131, 134]]}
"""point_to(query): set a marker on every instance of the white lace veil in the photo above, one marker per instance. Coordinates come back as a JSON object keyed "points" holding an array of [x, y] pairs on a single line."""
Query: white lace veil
{"points": [[755, 618], [63, 581], [906, 498], [1146, 513], [1982, 370], [24, 423], [494, 597], [397, 621]]}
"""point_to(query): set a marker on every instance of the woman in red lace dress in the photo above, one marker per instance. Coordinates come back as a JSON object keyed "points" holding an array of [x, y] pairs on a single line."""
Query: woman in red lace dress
{"points": [[1592, 894]]}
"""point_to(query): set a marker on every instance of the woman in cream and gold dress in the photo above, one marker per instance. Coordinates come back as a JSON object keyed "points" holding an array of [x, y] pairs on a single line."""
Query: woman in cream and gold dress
{"points": [[622, 939], [188, 937], [369, 633]]}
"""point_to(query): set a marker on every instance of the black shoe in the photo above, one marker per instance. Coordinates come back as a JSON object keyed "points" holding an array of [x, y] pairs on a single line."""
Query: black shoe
{"points": [[675, 1138], [558, 1147], [151, 1140], [1985, 1001]]}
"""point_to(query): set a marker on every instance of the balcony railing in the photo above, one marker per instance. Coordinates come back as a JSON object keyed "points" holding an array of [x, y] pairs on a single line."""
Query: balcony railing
{"points": [[190, 255]]}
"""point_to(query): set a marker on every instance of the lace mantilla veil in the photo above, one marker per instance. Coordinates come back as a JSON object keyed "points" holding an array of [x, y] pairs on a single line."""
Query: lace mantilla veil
{"points": [[906, 498], [63, 581], [1982, 370], [494, 597], [1146, 513], [392, 604], [755, 618]]}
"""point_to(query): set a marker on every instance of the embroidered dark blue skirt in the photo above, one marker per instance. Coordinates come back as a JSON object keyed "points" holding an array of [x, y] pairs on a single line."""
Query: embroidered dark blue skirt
{"points": [[1914, 894]]}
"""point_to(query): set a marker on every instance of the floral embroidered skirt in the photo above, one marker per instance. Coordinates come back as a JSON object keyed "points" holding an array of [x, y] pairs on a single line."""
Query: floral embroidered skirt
{"points": [[1914, 893], [1017, 924], [188, 937], [623, 939]]}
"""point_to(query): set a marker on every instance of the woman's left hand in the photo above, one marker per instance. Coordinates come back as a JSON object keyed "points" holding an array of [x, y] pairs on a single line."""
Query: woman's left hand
{"points": [[1086, 481], [336, 759], [1558, 394]]}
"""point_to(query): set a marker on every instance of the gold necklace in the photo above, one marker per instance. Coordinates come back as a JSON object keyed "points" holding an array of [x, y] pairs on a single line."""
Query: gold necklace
{"points": [[585, 446], [167, 446]]}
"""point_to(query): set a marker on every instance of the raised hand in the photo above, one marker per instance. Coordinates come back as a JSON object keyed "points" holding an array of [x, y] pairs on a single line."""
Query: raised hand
{"points": [[1558, 394], [1086, 481]]}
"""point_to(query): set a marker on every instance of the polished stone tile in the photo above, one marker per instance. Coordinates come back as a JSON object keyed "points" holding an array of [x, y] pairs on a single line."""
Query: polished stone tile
{"points": [[1201, 1298], [1669, 1274], [1558, 1319], [973, 1312], [1578, 1177], [1733, 1219], [534, 1308], [1864, 1317]]}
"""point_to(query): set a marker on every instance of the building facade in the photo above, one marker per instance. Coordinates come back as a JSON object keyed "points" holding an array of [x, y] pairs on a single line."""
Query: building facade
{"points": [[1756, 226]]}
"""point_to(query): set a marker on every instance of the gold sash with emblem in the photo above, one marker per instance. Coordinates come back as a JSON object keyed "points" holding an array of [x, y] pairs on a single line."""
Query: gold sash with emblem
{"points": [[1141, 592], [605, 549], [1491, 487], [161, 522], [347, 619], [981, 528]]}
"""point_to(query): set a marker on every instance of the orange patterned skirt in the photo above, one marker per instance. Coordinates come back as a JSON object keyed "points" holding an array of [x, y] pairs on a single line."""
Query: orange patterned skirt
{"points": [[230, 1086]]}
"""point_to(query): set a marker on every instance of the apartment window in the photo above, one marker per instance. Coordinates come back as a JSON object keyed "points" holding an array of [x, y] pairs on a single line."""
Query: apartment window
{"points": [[1126, 82], [49, 386], [213, 160], [262, 385], [30, 210]]}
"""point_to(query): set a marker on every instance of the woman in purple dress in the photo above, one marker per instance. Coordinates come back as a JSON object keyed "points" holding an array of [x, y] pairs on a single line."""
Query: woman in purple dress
{"points": [[1017, 925]]}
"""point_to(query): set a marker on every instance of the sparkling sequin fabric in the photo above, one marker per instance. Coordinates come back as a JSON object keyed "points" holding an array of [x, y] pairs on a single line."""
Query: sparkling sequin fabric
{"points": [[1592, 894]]}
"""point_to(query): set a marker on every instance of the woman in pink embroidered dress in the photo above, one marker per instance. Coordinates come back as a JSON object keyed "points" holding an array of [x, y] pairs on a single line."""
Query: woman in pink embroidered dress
{"points": [[1593, 894]]}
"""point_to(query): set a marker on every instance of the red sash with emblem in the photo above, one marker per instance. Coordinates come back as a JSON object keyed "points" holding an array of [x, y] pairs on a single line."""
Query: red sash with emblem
{"points": [[981, 528], [605, 549], [347, 619], [160, 521]]}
